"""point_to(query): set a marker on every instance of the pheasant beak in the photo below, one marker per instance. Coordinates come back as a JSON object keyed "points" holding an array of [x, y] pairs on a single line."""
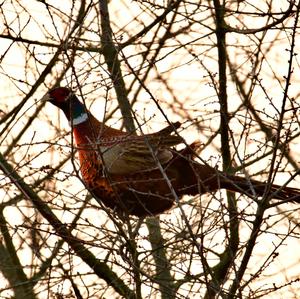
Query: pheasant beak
{"points": [[46, 98]]}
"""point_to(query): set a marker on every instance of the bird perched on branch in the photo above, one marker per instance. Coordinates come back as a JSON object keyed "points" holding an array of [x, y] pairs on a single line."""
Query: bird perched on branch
{"points": [[144, 175]]}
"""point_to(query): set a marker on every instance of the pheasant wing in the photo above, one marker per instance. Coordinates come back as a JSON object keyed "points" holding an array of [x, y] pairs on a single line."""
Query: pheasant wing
{"points": [[138, 153]]}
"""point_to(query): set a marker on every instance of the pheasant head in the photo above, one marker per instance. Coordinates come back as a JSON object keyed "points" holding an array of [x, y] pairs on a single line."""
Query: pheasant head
{"points": [[67, 101]]}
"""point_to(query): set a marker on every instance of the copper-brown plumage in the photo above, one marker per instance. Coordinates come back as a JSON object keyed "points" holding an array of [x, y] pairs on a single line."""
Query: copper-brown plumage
{"points": [[142, 175]]}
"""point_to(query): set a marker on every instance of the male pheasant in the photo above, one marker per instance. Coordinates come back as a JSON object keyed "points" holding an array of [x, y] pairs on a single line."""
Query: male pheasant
{"points": [[143, 175]]}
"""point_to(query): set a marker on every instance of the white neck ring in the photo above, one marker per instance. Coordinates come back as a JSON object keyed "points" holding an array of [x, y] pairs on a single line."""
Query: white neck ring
{"points": [[79, 119]]}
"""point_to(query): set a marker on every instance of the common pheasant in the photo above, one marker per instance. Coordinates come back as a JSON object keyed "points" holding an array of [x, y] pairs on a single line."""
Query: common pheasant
{"points": [[143, 175]]}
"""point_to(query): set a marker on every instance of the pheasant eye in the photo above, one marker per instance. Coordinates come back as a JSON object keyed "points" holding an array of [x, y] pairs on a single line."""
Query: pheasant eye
{"points": [[60, 94]]}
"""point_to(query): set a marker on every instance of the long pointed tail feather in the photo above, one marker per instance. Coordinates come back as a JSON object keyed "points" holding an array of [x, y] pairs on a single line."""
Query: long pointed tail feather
{"points": [[255, 188]]}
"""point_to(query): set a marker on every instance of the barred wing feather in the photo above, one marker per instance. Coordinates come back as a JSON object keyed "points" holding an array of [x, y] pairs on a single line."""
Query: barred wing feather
{"points": [[139, 153]]}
